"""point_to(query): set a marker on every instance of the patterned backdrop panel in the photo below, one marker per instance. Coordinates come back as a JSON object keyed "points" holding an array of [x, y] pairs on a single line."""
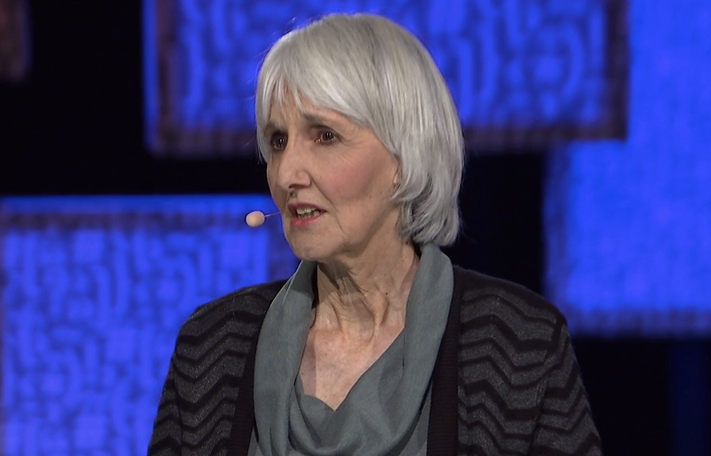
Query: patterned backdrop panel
{"points": [[94, 291], [14, 39], [524, 73], [628, 224]]}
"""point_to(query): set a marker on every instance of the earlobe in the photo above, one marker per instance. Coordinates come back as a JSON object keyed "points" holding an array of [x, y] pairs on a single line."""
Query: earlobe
{"points": [[396, 180], [396, 185]]}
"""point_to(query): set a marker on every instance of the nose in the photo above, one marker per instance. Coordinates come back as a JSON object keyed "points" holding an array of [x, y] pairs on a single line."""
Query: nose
{"points": [[288, 168]]}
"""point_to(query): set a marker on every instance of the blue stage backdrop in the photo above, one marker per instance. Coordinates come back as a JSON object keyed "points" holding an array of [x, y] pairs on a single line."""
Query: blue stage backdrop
{"points": [[628, 224], [94, 291], [524, 74]]}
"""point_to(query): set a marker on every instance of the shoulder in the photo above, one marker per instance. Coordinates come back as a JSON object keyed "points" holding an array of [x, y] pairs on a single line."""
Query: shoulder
{"points": [[245, 307], [517, 371], [211, 355], [487, 302]]}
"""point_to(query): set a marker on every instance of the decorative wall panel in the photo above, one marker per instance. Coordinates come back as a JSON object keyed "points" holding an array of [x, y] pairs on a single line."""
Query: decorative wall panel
{"points": [[14, 39], [629, 223], [94, 291], [524, 73]]}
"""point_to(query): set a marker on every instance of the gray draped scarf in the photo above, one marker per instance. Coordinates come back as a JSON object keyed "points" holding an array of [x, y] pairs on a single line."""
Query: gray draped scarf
{"points": [[368, 425]]}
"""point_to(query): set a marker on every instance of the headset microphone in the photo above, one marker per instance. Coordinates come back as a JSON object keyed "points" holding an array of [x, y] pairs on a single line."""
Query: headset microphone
{"points": [[256, 218]]}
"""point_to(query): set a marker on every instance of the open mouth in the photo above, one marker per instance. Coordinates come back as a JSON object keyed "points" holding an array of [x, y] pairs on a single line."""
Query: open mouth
{"points": [[303, 213]]}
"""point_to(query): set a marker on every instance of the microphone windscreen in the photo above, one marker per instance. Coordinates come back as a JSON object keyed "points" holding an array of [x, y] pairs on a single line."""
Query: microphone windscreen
{"points": [[255, 219]]}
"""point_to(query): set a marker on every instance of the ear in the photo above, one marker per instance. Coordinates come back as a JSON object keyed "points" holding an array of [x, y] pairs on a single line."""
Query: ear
{"points": [[396, 179], [397, 175]]}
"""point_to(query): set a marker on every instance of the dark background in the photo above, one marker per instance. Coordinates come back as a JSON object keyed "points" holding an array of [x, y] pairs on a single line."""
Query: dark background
{"points": [[75, 127]]}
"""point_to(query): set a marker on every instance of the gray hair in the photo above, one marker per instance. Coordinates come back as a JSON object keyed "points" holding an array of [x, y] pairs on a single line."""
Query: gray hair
{"points": [[378, 74]]}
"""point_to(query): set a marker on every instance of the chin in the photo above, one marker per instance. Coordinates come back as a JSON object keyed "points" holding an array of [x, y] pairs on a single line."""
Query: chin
{"points": [[306, 252], [313, 251]]}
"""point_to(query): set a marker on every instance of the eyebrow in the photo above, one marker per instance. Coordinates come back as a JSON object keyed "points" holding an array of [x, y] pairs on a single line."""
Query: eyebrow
{"points": [[309, 117], [317, 119], [271, 127]]}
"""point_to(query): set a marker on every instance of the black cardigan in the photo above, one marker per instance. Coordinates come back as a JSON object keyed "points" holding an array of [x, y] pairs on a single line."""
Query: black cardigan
{"points": [[505, 382]]}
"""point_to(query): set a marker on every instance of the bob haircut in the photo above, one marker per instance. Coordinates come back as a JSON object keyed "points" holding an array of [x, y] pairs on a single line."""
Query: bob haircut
{"points": [[379, 75]]}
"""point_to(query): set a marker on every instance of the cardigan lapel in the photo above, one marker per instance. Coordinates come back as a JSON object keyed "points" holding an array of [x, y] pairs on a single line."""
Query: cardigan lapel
{"points": [[442, 439]]}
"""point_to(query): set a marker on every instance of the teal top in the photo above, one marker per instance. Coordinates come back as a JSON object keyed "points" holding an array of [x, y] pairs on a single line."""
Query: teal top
{"points": [[386, 411]]}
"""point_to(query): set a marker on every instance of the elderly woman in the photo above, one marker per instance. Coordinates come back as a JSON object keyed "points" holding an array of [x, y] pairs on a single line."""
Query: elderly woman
{"points": [[376, 345]]}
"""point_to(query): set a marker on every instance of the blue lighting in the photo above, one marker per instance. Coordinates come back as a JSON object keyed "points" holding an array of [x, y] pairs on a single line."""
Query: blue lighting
{"points": [[629, 223], [94, 291], [550, 69]]}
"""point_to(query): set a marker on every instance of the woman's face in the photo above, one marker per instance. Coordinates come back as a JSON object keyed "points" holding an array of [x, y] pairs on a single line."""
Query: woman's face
{"points": [[332, 181]]}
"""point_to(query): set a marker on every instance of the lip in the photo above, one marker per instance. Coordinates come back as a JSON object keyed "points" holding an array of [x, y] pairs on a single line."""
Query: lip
{"points": [[296, 221], [293, 207]]}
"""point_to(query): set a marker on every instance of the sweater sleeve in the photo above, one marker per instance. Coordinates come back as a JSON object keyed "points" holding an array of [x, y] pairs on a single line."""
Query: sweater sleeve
{"points": [[166, 439], [206, 406], [565, 425]]}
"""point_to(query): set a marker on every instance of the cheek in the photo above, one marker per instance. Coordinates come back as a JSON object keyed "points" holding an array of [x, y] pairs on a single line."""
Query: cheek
{"points": [[363, 185], [345, 189], [272, 172], [273, 188], [269, 177]]}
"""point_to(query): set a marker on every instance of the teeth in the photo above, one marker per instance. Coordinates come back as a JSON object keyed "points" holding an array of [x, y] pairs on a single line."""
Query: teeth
{"points": [[304, 212]]}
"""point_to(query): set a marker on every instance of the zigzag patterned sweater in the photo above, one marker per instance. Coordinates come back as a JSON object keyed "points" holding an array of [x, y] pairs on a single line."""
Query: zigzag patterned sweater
{"points": [[506, 381]]}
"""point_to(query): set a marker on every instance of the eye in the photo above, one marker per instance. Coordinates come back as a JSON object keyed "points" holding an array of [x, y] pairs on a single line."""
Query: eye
{"points": [[326, 137], [277, 141]]}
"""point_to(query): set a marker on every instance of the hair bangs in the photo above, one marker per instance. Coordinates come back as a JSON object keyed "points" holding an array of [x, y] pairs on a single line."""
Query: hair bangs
{"points": [[301, 73]]}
